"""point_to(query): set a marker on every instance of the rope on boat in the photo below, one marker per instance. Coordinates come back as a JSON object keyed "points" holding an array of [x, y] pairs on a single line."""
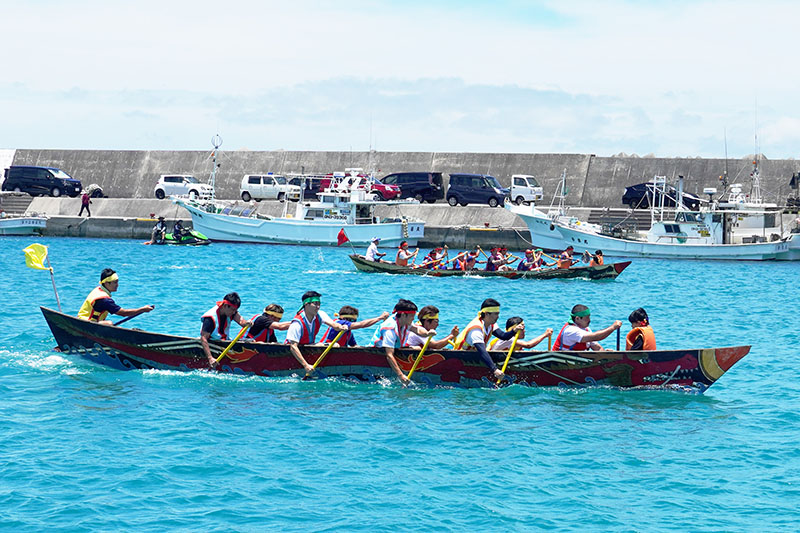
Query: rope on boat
{"points": [[556, 375]]}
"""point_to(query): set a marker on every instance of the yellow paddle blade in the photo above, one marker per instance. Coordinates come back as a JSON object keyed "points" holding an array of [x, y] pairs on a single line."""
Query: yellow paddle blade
{"points": [[510, 351], [325, 352], [234, 341], [35, 256], [419, 356]]}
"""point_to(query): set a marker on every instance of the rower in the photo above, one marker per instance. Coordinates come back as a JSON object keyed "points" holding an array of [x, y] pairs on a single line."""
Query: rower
{"points": [[98, 304], [403, 255], [576, 335], [565, 259], [641, 336], [495, 261], [526, 264], [481, 329], [372, 252], [265, 324], [429, 319], [347, 317], [596, 258], [217, 322], [497, 344], [305, 325], [392, 334]]}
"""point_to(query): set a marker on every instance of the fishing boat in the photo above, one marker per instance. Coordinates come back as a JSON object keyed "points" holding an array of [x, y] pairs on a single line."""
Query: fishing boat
{"points": [[346, 204], [22, 224], [133, 349], [609, 271], [734, 230]]}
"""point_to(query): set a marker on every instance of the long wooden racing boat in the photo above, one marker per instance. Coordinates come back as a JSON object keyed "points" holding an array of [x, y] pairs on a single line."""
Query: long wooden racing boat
{"points": [[609, 271], [131, 349]]}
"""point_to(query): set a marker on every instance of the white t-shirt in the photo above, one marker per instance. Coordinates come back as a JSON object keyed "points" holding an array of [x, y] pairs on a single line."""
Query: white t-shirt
{"points": [[572, 335], [390, 339], [371, 251], [504, 345], [403, 254], [415, 340], [477, 336], [295, 330]]}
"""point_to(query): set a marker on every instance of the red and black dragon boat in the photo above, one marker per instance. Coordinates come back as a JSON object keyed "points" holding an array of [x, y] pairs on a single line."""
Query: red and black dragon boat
{"points": [[132, 349]]}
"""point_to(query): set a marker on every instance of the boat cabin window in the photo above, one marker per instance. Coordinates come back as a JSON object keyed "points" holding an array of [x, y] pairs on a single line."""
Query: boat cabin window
{"points": [[672, 228], [311, 214], [769, 220], [716, 218], [328, 199]]}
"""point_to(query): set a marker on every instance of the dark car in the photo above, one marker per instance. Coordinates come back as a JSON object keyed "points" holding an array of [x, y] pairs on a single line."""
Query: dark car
{"points": [[40, 181], [475, 189], [638, 197], [424, 186], [379, 190], [311, 186]]}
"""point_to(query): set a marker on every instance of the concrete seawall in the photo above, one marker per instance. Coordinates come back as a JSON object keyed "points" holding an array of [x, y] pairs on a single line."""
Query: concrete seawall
{"points": [[593, 181]]}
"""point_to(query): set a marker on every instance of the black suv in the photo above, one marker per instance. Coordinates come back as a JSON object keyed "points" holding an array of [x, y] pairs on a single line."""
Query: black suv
{"points": [[40, 181], [424, 186]]}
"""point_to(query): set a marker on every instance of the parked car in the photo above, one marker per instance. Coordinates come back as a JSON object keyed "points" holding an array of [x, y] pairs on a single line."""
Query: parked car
{"points": [[525, 189], [268, 187], [475, 189], [182, 185], [380, 191], [308, 184], [423, 186], [638, 197], [42, 181]]}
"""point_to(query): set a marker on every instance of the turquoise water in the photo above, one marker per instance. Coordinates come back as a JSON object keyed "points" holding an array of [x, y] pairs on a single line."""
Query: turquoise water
{"points": [[87, 448]]}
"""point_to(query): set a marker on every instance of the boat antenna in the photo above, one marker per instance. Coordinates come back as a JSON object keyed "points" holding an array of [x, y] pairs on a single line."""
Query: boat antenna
{"points": [[216, 142], [755, 183], [724, 177]]}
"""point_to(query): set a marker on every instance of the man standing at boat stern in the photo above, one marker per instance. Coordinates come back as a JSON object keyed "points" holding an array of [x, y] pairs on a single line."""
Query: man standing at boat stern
{"points": [[99, 303], [305, 325]]}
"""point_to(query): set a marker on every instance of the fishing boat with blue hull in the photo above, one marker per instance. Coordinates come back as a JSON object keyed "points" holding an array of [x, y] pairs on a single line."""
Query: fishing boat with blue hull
{"points": [[133, 349], [609, 271], [22, 224]]}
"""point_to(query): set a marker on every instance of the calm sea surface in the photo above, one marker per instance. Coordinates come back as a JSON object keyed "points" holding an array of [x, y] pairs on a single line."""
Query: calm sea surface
{"points": [[86, 448]]}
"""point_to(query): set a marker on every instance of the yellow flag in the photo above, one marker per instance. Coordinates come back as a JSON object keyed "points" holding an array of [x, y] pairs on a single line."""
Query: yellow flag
{"points": [[35, 254]]}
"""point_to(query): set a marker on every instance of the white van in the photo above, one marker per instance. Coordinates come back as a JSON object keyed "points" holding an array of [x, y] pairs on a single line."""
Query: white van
{"points": [[525, 188], [268, 187]]}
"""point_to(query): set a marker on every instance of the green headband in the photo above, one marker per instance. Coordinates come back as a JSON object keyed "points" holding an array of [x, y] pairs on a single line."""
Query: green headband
{"points": [[585, 312], [311, 300]]}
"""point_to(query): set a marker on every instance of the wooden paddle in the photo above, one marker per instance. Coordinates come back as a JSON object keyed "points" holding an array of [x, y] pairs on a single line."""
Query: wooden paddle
{"points": [[234, 341], [618, 339], [322, 356], [510, 351], [419, 356], [549, 342]]}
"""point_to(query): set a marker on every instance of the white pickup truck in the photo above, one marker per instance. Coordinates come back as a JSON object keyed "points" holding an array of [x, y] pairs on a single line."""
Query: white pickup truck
{"points": [[525, 189]]}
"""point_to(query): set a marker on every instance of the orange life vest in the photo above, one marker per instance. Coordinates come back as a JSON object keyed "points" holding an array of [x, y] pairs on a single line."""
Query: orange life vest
{"points": [[87, 311], [647, 335], [597, 262], [401, 261], [475, 323], [564, 261]]}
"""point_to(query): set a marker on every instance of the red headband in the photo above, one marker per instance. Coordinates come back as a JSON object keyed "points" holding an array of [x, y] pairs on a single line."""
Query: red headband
{"points": [[404, 312], [229, 303]]}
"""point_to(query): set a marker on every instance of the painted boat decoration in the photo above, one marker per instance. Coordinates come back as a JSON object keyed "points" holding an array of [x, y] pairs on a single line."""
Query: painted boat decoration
{"points": [[609, 271], [132, 349]]}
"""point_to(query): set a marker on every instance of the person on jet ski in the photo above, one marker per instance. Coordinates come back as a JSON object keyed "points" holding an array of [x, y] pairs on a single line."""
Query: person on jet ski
{"points": [[159, 232], [178, 231]]}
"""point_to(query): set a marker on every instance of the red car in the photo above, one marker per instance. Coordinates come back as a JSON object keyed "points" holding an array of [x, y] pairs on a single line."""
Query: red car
{"points": [[379, 190]]}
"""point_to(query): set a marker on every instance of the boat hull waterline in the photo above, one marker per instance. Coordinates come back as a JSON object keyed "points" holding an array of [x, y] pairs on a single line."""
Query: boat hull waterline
{"points": [[132, 349], [609, 271]]}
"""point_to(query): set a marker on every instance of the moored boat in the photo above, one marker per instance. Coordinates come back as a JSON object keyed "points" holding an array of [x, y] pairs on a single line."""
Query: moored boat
{"points": [[609, 271], [133, 349], [22, 224]]}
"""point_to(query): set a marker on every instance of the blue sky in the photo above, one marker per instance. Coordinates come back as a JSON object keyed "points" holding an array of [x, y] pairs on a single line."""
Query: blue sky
{"points": [[664, 78]]}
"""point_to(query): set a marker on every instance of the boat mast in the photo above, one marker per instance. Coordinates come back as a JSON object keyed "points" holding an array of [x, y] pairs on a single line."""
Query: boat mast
{"points": [[561, 194], [216, 142], [755, 183]]}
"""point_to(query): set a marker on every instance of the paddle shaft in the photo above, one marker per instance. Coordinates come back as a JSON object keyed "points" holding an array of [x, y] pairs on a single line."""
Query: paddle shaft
{"points": [[419, 356], [510, 351], [324, 353], [53, 279], [234, 341], [617, 339]]}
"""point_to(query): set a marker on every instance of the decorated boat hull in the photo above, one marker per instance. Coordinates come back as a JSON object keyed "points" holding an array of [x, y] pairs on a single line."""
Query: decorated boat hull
{"points": [[22, 225], [610, 271], [130, 349]]}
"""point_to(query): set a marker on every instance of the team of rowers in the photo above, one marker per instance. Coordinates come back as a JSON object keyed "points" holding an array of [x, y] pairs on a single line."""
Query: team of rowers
{"points": [[498, 260], [395, 330]]}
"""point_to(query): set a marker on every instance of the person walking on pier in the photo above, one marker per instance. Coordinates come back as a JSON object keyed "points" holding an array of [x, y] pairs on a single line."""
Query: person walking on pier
{"points": [[85, 201]]}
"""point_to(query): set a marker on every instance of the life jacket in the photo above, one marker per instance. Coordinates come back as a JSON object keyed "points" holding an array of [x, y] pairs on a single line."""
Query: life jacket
{"points": [[459, 264], [390, 324], [401, 261], [469, 262], [87, 311], [308, 337], [265, 335], [525, 265], [491, 266], [222, 324], [559, 347], [564, 261], [647, 334], [596, 262], [475, 323], [344, 340]]}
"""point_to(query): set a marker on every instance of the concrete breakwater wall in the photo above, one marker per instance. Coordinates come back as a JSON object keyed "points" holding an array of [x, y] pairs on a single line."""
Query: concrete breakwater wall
{"points": [[593, 181]]}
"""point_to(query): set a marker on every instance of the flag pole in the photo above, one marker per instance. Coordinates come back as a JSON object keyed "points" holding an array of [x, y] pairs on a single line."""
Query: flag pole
{"points": [[53, 279]]}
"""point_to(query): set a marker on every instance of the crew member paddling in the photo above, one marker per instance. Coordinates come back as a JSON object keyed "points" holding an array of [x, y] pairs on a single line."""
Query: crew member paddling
{"points": [[481, 329], [305, 326], [265, 324], [565, 259], [99, 303], [217, 323], [393, 333], [403, 255], [576, 335], [348, 315], [641, 336], [596, 258], [429, 319], [497, 344]]}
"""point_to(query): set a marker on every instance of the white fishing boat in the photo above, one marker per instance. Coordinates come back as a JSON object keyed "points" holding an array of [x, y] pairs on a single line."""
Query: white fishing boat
{"points": [[344, 205], [22, 224], [740, 228]]}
